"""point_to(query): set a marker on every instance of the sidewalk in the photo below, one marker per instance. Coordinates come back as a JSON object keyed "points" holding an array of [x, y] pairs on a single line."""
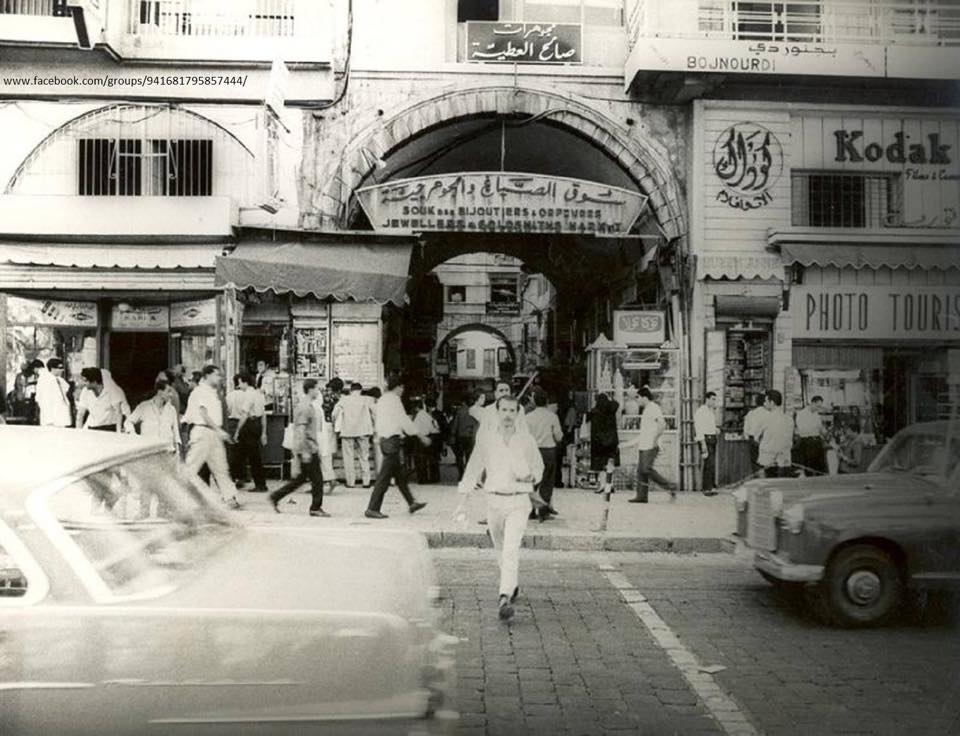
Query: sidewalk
{"points": [[690, 523]]}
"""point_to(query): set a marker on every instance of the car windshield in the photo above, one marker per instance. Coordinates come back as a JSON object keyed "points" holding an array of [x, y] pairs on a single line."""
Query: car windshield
{"points": [[932, 456], [142, 523]]}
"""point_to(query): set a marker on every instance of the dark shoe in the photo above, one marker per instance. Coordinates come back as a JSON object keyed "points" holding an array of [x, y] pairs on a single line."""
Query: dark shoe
{"points": [[234, 504], [371, 514], [533, 515], [709, 493], [638, 499], [506, 610], [482, 522], [260, 490], [599, 490], [274, 502], [319, 512], [516, 592], [240, 484], [552, 511], [416, 506]]}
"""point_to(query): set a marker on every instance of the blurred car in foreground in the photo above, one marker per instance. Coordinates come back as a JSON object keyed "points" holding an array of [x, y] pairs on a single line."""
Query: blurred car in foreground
{"points": [[132, 603], [859, 542]]}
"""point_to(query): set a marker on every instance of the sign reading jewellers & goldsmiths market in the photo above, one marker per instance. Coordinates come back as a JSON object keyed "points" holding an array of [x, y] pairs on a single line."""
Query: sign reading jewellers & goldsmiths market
{"points": [[500, 202]]}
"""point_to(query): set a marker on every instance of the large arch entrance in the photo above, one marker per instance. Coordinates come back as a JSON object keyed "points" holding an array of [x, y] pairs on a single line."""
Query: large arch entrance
{"points": [[466, 137]]}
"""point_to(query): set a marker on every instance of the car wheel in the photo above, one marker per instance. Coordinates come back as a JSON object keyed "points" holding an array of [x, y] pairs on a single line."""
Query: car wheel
{"points": [[862, 586]]}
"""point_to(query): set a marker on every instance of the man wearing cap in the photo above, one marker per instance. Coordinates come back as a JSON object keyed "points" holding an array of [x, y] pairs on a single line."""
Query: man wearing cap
{"points": [[52, 401]]}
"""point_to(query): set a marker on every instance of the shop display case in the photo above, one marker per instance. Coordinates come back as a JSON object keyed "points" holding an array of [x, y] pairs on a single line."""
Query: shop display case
{"points": [[618, 372]]}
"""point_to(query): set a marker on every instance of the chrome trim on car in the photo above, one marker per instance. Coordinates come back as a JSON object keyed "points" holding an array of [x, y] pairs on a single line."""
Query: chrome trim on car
{"points": [[37, 583], [787, 571]]}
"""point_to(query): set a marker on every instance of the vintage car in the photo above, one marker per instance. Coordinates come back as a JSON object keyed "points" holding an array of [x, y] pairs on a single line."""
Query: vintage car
{"points": [[133, 603], [858, 542]]}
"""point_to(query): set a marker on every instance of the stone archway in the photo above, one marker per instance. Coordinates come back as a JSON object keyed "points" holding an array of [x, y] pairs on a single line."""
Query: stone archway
{"points": [[642, 160]]}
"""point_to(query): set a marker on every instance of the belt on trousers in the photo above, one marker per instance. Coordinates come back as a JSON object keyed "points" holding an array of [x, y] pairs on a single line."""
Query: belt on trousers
{"points": [[499, 493]]}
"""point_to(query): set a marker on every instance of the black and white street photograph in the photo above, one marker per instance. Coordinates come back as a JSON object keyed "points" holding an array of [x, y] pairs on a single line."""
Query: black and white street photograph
{"points": [[479, 367]]}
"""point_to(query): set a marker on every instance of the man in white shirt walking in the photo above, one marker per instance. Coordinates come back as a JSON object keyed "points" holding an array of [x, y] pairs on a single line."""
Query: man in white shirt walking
{"points": [[156, 418], [52, 401], [647, 441], [544, 426], [102, 404], [776, 438], [354, 415], [513, 465], [392, 423], [705, 431], [205, 413]]}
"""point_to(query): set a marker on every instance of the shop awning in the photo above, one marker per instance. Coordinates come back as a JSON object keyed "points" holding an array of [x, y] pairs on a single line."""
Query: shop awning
{"points": [[341, 269], [111, 255], [924, 257]]}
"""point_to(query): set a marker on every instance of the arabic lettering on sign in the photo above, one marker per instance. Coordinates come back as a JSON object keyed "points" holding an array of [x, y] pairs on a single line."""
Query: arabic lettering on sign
{"points": [[748, 160], [501, 202], [48, 312], [631, 327], [528, 43], [199, 312], [155, 318]]}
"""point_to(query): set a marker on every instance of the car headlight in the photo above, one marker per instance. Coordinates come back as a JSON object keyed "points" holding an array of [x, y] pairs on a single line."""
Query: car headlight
{"points": [[792, 518], [740, 499]]}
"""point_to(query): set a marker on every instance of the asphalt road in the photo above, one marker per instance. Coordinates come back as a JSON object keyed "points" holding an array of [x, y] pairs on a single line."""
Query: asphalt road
{"points": [[668, 644]]}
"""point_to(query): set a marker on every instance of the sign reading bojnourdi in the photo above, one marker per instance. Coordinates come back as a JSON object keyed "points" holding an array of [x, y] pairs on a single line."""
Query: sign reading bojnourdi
{"points": [[499, 202]]}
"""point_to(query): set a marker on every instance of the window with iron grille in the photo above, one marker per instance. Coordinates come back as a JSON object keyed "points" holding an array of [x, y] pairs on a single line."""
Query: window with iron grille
{"points": [[132, 167], [821, 199], [777, 21]]}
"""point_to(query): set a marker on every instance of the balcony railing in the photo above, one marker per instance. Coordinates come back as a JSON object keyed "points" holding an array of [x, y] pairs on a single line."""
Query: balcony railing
{"points": [[882, 22], [212, 18]]}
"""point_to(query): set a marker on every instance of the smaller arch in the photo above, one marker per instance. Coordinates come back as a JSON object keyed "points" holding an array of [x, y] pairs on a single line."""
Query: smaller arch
{"points": [[178, 121], [473, 327]]}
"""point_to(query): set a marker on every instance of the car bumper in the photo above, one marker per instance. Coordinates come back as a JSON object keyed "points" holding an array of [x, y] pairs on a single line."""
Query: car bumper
{"points": [[787, 571]]}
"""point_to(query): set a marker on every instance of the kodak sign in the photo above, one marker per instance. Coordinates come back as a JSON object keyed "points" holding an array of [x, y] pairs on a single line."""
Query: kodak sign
{"points": [[852, 148]]}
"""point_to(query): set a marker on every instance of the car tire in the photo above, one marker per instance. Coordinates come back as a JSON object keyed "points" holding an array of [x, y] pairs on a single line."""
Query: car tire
{"points": [[863, 586]]}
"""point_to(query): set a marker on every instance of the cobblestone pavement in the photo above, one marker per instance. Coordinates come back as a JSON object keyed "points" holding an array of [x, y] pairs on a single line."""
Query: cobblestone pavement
{"points": [[577, 659]]}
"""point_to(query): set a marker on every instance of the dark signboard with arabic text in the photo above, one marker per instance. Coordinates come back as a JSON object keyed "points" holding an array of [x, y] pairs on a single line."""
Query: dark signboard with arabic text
{"points": [[748, 160], [524, 43], [501, 202]]}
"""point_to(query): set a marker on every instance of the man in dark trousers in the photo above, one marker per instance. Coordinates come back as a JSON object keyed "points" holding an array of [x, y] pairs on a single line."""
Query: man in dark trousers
{"points": [[307, 446], [544, 425], [392, 423], [250, 433]]}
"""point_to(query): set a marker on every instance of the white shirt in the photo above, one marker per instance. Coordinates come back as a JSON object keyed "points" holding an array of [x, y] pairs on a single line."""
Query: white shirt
{"points": [[355, 412], [809, 423], [776, 437], [505, 462], [391, 418], [206, 396], [161, 424], [652, 424], [544, 425], [257, 403], [105, 409], [52, 400], [753, 422], [704, 422], [239, 403], [426, 424]]}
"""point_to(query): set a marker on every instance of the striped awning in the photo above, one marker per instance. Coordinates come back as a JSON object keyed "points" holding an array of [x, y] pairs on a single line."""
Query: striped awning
{"points": [[924, 257]]}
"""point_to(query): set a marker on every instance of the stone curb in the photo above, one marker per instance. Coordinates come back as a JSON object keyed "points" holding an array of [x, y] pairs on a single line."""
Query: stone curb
{"points": [[589, 543]]}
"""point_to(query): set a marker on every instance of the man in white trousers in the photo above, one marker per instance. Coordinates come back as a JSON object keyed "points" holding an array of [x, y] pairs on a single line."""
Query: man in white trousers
{"points": [[511, 459], [205, 413]]}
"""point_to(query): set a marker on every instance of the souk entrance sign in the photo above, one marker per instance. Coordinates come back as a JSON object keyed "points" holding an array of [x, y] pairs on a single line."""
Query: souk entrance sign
{"points": [[498, 202], [524, 43], [875, 312]]}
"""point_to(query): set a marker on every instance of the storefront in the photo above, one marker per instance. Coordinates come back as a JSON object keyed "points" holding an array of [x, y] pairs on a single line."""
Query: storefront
{"points": [[827, 263], [311, 307], [132, 309]]}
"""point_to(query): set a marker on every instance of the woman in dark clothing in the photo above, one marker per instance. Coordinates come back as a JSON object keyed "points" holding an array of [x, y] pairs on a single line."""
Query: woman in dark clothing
{"points": [[604, 440]]}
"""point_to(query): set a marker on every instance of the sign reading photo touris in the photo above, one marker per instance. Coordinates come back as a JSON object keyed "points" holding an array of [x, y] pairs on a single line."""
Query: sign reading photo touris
{"points": [[498, 202]]}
